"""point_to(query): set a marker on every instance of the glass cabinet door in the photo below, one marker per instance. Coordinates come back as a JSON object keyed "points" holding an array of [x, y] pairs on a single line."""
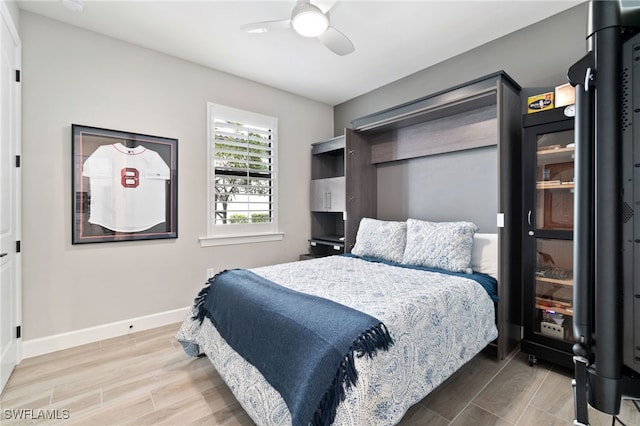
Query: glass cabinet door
{"points": [[553, 312], [553, 225], [554, 181], [548, 156]]}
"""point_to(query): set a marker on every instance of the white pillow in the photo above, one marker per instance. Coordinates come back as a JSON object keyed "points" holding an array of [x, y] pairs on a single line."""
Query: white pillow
{"points": [[381, 239], [484, 255], [442, 245]]}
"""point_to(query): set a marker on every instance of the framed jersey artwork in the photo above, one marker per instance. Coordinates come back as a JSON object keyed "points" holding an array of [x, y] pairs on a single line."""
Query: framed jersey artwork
{"points": [[125, 186]]}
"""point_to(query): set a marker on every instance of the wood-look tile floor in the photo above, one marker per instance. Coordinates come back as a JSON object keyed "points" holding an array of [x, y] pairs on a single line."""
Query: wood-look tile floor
{"points": [[146, 379]]}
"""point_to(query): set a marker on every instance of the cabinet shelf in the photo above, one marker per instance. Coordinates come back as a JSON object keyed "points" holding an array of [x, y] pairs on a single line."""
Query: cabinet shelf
{"points": [[558, 155], [329, 239], [555, 185], [557, 306], [336, 245], [566, 281]]}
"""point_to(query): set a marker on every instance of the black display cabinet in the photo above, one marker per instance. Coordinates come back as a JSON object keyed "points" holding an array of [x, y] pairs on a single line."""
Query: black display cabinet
{"points": [[548, 179]]}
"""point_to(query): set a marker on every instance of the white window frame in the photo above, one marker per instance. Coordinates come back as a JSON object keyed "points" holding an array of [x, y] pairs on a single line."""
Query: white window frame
{"points": [[224, 234]]}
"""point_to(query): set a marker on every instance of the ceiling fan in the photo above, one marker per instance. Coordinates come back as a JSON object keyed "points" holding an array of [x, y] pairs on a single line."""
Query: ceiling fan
{"points": [[308, 20]]}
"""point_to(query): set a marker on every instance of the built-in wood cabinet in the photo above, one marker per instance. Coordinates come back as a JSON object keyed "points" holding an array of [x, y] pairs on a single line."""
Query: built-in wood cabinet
{"points": [[342, 192], [328, 195], [548, 178], [482, 115]]}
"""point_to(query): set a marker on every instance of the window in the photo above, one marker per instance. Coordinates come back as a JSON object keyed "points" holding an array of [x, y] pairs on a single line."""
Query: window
{"points": [[242, 185]]}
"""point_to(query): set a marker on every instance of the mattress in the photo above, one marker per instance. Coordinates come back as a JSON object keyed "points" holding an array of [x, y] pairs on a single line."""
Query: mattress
{"points": [[438, 322]]}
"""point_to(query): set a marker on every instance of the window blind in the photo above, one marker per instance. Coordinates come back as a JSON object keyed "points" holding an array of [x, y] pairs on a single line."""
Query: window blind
{"points": [[243, 167]]}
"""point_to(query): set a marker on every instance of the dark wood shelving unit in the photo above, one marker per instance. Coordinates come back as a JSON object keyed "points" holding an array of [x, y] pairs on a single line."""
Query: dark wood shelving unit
{"points": [[342, 192]]}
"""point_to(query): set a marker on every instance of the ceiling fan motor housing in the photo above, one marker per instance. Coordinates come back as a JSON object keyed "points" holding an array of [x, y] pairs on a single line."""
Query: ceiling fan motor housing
{"points": [[308, 20]]}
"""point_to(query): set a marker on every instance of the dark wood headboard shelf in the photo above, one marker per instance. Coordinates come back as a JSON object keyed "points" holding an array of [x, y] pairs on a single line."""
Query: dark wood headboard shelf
{"points": [[472, 129], [483, 113], [455, 100], [456, 119]]}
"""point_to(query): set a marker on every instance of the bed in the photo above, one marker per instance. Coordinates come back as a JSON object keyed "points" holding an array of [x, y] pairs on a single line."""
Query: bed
{"points": [[438, 317]]}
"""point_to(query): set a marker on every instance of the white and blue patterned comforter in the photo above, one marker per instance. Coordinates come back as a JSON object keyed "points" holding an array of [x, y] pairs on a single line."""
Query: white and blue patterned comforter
{"points": [[438, 322]]}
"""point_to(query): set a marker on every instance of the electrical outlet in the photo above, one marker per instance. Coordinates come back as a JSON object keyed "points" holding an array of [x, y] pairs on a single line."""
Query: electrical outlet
{"points": [[210, 272]]}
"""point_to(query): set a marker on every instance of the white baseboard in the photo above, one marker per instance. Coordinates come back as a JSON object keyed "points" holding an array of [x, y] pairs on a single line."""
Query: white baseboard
{"points": [[45, 345]]}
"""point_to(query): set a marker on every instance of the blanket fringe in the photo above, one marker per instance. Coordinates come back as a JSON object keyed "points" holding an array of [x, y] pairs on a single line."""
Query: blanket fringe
{"points": [[198, 303], [367, 343]]}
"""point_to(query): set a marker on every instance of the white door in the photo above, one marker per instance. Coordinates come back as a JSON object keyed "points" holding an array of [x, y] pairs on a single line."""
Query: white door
{"points": [[10, 260]]}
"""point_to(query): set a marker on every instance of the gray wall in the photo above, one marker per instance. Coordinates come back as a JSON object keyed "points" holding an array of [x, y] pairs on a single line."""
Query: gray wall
{"points": [[75, 76], [536, 56], [431, 179], [427, 184]]}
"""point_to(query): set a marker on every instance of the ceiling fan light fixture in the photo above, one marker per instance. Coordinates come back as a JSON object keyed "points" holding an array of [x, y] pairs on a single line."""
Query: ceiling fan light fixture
{"points": [[308, 20]]}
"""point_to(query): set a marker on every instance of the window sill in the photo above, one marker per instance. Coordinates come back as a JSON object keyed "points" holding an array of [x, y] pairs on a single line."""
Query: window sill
{"points": [[226, 240]]}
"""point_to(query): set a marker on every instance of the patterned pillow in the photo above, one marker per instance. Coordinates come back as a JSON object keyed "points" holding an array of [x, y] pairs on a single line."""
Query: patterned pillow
{"points": [[443, 245], [382, 239]]}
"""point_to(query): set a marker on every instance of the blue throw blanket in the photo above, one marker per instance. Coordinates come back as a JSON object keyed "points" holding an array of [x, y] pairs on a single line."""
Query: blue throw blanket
{"points": [[303, 345]]}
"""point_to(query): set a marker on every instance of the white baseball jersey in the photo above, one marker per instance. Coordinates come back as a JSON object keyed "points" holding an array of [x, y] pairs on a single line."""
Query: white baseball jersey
{"points": [[127, 187]]}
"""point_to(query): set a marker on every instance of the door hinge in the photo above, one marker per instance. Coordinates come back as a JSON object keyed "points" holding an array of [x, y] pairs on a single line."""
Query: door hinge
{"points": [[18, 76], [17, 161], [18, 332], [18, 246]]}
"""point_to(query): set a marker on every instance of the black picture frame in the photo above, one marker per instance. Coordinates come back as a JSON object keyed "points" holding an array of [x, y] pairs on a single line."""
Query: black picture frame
{"points": [[124, 184]]}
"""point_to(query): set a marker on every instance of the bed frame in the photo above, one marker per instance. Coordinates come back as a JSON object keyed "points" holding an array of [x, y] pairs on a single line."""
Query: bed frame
{"points": [[466, 141]]}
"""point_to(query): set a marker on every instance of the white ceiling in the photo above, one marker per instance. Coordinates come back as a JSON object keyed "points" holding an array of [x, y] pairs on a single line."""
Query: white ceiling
{"points": [[392, 38]]}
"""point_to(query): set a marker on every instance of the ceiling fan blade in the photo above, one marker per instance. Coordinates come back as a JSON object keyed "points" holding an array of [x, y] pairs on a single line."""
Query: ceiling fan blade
{"points": [[336, 42], [324, 5], [266, 27]]}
